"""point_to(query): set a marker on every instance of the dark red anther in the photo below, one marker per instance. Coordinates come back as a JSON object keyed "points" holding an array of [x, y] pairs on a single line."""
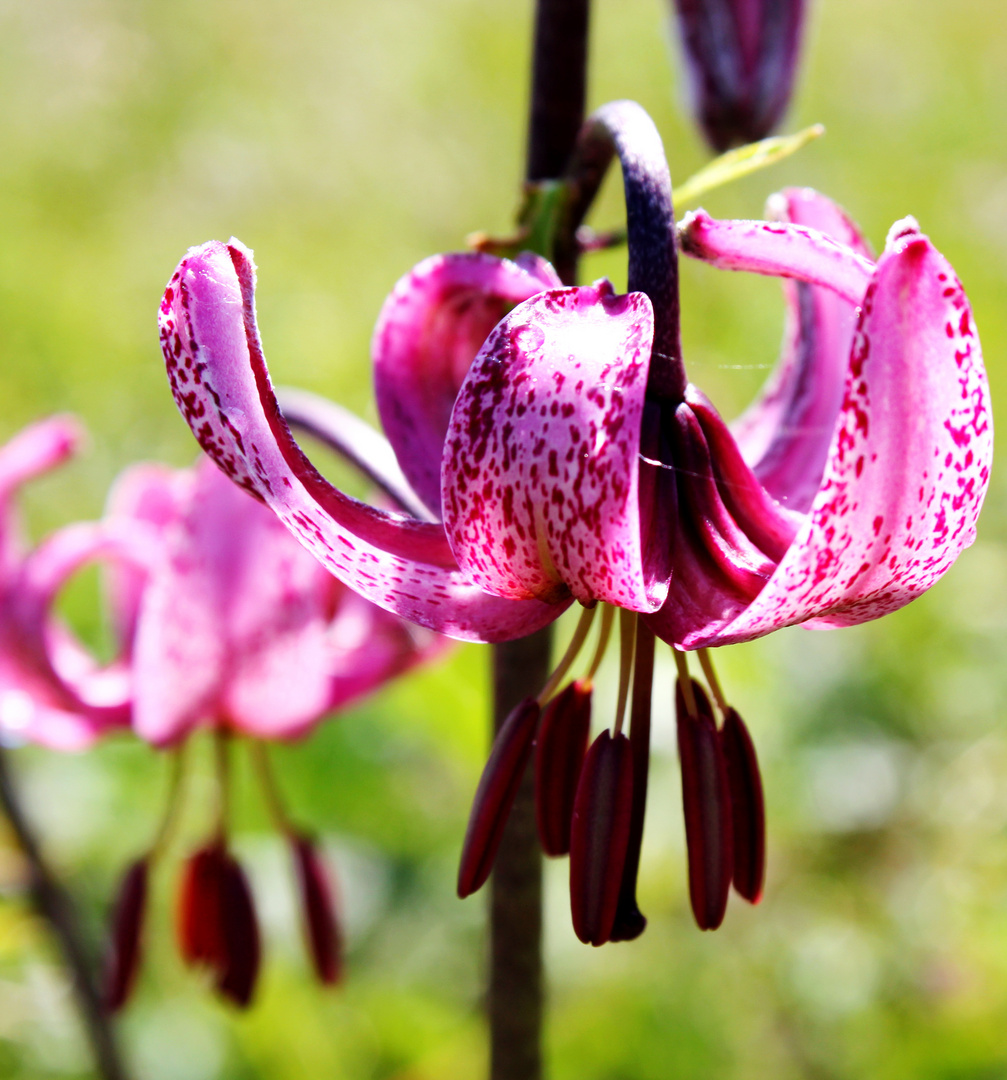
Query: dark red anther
{"points": [[748, 815], [495, 795], [707, 804], [630, 922], [199, 939], [125, 948], [319, 910], [217, 927], [239, 931], [599, 837], [559, 754]]}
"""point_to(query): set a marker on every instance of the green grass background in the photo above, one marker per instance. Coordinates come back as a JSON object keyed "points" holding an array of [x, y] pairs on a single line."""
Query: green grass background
{"points": [[344, 141]]}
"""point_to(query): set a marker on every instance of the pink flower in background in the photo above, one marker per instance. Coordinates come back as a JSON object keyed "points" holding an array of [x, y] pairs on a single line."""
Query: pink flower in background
{"points": [[53, 691], [578, 463], [237, 628]]}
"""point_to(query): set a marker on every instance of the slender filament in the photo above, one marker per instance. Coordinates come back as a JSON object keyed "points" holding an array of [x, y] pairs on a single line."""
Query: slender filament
{"points": [[572, 650], [270, 789], [176, 786], [627, 647], [706, 662], [685, 681], [604, 633], [222, 746]]}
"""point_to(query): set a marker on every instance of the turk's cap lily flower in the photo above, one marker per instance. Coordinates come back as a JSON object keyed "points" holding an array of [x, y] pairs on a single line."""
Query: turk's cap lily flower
{"points": [[565, 475], [53, 691], [578, 462], [741, 58]]}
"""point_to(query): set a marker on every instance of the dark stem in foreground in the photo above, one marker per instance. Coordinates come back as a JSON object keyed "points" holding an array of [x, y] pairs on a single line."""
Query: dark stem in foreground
{"points": [[56, 907], [516, 993], [520, 668]]}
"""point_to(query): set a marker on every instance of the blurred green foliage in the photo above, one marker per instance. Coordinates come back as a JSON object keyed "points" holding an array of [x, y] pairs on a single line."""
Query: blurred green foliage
{"points": [[344, 141]]}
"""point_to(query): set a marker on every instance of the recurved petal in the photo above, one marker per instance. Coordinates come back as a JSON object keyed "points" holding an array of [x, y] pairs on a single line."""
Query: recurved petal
{"points": [[779, 249], [541, 464], [495, 795], [786, 433], [430, 328], [909, 461], [218, 374]]}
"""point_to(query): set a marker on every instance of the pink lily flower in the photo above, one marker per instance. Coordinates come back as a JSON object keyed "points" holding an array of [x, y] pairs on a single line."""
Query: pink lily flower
{"points": [[578, 462], [741, 57], [238, 628], [52, 690]]}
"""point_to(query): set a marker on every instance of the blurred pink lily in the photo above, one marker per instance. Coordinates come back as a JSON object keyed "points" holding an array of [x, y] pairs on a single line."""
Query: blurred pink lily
{"points": [[52, 690], [238, 628], [578, 462]]}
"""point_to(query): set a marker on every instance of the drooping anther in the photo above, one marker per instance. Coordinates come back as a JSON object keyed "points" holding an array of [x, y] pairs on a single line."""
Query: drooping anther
{"points": [[321, 925], [125, 948], [748, 817], [559, 755], [495, 795], [217, 927], [599, 837], [707, 805]]}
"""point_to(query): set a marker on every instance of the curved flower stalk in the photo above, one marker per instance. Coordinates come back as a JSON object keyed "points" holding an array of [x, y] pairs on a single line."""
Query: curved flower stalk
{"points": [[52, 690], [741, 58], [578, 462], [239, 629]]}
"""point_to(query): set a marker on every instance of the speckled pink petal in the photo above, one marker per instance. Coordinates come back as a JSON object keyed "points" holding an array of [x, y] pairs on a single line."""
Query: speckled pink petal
{"points": [[786, 433], [779, 249], [32, 451], [541, 465], [51, 690], [430, 328], [221, 385], [908, 466]]}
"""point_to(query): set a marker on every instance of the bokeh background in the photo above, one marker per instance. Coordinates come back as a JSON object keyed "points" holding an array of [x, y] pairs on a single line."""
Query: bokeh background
{"points": [[344, 140]]}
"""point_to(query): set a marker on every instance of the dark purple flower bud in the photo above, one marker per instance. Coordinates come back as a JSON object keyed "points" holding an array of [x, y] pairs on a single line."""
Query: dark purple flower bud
{"points": [[125, 948], [707, 804], [748, 816], [239, 932], [495, 795], [599, 837], [559, 754], [318, 906], [741, 56], [217, 927]]}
